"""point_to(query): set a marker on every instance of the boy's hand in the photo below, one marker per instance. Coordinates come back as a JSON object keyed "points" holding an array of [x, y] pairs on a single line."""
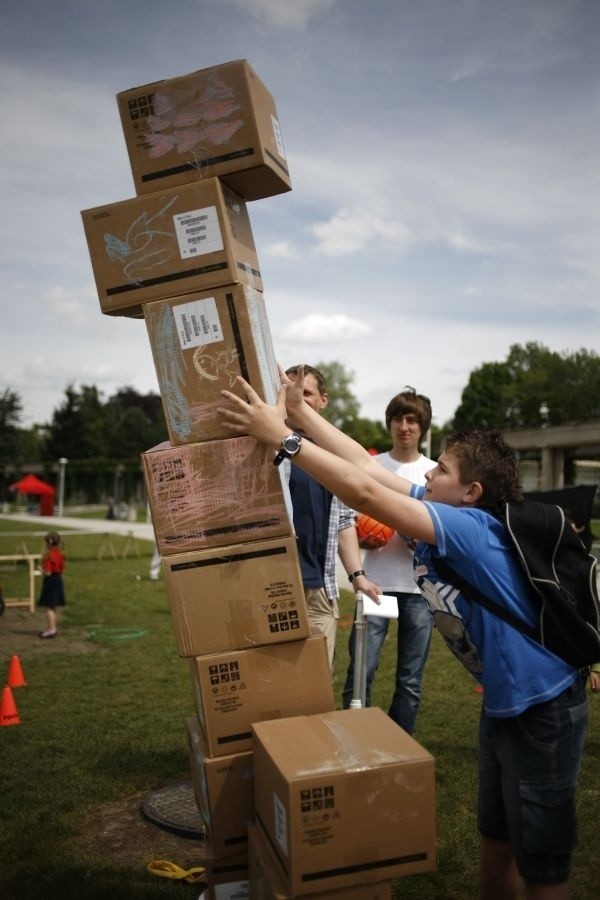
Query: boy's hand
{"points": [[253, 416], [294, 394]]}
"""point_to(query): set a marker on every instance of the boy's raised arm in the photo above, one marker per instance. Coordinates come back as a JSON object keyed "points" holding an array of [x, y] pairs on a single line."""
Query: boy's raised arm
{"points": [[353, 482]]}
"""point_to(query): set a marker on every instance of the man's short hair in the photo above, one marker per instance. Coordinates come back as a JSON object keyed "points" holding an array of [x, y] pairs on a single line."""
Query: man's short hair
{"points": [[408, 403], [310, 370], [484, 456]]}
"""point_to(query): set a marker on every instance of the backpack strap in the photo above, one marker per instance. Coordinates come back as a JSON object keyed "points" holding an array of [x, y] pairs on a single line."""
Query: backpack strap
{"points": [[472, 593]]}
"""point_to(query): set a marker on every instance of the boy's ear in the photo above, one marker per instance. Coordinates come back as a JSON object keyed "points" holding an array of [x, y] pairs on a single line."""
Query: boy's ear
{"points": [[324, 400], [473, 493]]}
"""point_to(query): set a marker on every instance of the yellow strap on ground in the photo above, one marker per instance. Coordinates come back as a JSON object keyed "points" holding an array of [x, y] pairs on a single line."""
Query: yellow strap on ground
{"points": [[166, 869]]}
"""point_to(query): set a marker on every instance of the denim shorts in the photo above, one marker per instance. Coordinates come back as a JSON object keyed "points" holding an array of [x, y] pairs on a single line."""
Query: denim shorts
{"points": [[528, 771]]}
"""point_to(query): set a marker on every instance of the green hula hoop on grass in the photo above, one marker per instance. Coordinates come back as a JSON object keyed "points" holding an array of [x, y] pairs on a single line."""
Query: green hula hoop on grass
{"points": [[116, 634]]}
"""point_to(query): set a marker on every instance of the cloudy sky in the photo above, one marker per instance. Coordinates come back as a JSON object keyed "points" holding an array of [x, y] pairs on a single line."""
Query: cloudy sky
{"points": [[444, 157]]}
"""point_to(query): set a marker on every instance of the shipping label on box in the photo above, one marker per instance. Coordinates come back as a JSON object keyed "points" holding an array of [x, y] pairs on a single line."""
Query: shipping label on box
{"points": [[215, 494], [224, 791], [235, 689], [200, 343], [216, 122], [345, 797], [235, 597], [169, 243]]}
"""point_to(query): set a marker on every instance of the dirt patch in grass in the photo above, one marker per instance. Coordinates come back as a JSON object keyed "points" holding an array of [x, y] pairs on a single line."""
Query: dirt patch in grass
{"points": [[20, 635], [120, 832]]}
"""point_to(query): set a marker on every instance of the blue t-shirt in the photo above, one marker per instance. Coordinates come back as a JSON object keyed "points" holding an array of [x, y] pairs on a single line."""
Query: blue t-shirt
{"points": [[515, 671]]}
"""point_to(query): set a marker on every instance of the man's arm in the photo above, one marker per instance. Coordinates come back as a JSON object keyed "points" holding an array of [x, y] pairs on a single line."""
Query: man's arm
{"points": [[350, 557]]}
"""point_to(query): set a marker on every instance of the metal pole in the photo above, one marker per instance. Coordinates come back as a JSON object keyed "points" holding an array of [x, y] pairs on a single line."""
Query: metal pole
{"points": [[426, 447], [359, 688], [61, 484]]}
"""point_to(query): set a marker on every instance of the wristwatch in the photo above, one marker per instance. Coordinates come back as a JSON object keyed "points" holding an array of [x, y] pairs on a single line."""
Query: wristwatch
{"points": [[290, 445]]}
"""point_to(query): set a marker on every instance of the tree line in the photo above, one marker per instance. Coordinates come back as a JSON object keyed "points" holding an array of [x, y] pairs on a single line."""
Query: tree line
{"points": [[102, 441], [533, 386]]}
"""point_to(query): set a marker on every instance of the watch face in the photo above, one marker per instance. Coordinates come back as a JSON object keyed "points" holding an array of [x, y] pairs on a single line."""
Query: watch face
{"points": [[289, 447], [292, 443]]}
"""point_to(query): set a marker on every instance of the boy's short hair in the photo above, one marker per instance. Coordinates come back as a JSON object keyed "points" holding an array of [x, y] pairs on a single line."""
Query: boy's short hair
{"points": [[408, 402], [310, 370], [484, 456], [53, 538]]}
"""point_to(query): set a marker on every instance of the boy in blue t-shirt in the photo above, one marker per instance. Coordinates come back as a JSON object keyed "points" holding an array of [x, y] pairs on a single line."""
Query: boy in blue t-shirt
{"points": [[534, 715]]}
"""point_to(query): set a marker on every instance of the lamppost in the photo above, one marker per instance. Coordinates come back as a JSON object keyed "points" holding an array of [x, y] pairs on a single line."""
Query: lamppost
{"points": [[426, 442], [61, 484], [118, 488]]}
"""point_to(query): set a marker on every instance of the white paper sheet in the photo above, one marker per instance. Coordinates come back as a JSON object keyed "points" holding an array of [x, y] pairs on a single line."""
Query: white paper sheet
{"points": [[387, 608]]}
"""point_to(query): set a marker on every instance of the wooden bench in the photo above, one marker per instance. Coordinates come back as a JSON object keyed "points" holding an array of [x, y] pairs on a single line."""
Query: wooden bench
{"points": [[33, 561]]}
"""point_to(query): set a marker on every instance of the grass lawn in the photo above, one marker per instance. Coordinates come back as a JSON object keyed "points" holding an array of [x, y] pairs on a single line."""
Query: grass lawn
{"points": [[103, 725]]}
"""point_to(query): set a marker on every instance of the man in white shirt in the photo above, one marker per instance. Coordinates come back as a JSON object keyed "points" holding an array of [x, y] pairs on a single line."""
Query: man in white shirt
{"points": [[407, 417]]}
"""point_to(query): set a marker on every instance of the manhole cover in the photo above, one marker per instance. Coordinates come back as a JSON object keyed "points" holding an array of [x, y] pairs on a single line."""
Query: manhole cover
{"points": [[174, 807]]}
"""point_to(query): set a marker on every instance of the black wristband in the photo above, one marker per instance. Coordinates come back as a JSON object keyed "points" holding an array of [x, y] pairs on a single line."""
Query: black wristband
{"points": [[356, 574]]}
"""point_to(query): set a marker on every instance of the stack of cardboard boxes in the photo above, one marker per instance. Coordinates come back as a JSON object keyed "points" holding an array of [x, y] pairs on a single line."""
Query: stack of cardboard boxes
{"points": [[181, 254]]}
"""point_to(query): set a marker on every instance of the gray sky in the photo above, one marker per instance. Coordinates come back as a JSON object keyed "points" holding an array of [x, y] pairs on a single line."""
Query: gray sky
{"points": [[444, 161]]}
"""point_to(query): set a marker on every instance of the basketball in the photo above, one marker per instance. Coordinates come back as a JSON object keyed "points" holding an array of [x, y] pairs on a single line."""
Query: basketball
{"points": [[372, 534]]}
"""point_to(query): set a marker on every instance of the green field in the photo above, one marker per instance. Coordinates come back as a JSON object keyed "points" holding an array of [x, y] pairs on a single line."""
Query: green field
{"points": [[103, 725]]}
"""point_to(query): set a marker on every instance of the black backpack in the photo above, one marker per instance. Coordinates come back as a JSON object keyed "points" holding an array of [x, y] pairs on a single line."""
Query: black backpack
{"points": [[563, 577]]}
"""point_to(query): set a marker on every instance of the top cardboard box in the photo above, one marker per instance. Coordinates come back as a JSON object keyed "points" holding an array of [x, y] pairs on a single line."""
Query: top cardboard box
{"points": [[217, 122]]}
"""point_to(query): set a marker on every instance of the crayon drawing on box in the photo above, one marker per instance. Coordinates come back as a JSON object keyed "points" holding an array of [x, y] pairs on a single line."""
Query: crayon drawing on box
{"points": [[171, 365], [146, 245]]}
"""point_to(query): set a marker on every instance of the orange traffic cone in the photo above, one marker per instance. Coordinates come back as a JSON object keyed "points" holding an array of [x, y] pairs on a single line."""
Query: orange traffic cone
{"points": [[15, 673], [8, 708]]}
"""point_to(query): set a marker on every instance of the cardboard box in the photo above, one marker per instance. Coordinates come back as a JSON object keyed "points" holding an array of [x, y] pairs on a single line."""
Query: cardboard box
{"points": [[216, 122], [226, 877], [169, 243], [224, 791], [214, 494], [230, 890], [200, 342], [232, 690], [235, 597], [345, 798], [267, 881]]}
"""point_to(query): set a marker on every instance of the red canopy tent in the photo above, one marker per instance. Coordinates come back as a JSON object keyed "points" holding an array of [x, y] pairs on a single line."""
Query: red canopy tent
{"points": [[31, 484]]}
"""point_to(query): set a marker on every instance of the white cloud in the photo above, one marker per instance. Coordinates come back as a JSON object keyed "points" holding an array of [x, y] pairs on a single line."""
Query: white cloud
{"points": [[320, 329], [459, 237], [279, 250], [468, 68], [66, 304], [292, 14], [351, 230]]}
